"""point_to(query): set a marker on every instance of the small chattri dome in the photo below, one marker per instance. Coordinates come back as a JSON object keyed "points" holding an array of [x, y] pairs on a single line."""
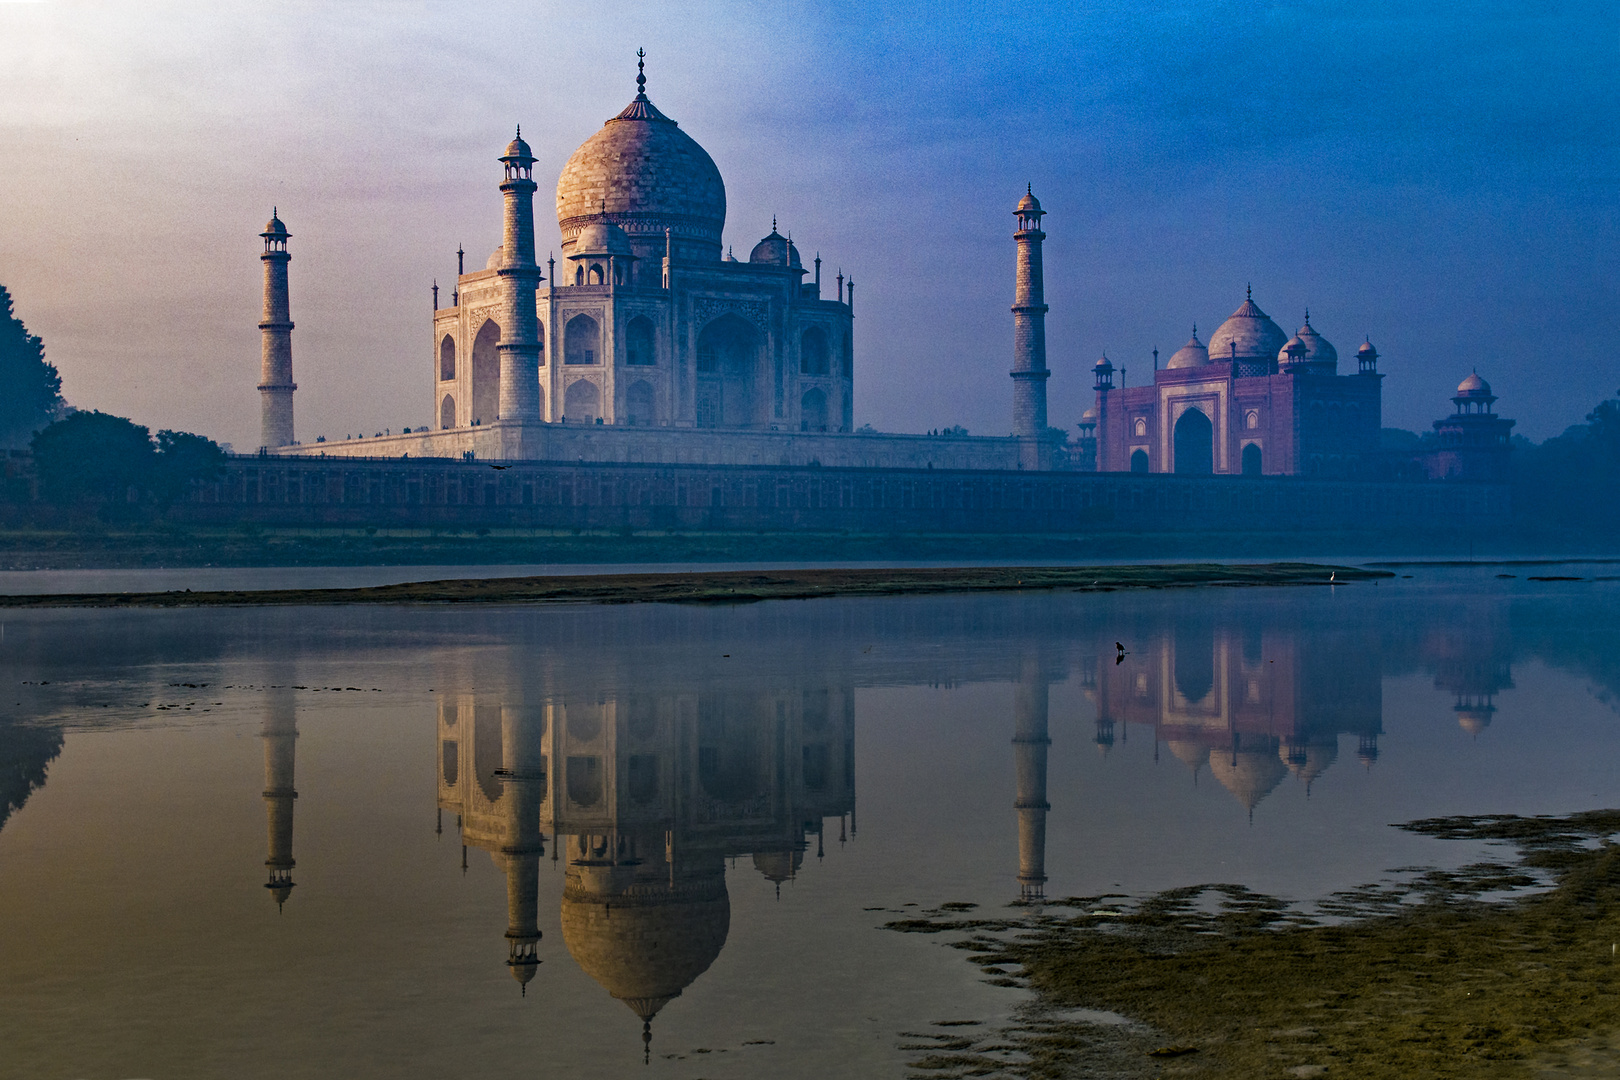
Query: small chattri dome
{"points": [[1089, 416], [1104, 364], [601, 238], [774, 250], [274, 227], [517, 148], [1367, 349], [1029, 204], [1192, 354], [497, 258], [1473, 386], [1293, 352], [1317, 348]]}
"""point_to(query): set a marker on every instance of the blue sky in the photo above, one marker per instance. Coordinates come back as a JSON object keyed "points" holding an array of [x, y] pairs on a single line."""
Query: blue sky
{"points": [[1443, 178]]}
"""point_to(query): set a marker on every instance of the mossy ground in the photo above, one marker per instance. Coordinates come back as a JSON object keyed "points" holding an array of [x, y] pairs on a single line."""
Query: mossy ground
{"points": [[1435, 976]]}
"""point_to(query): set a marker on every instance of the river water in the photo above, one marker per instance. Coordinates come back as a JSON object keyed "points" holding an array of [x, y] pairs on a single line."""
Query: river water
{"points": [[509, 841]]}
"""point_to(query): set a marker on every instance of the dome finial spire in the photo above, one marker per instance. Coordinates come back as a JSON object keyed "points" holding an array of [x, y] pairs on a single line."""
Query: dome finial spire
{"points": [[1248, 291], [641, 72]]}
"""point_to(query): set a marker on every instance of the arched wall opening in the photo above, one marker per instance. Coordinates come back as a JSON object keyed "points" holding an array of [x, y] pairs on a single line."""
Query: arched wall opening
{"points": [[486, 374], [447, 358], [813, 355], [640, 404], [447, 412], [1139, 461], [1195, 444], [582, 340], [582, 402], [638, 342], [813, 410], [1251, 460], [727, 356]]}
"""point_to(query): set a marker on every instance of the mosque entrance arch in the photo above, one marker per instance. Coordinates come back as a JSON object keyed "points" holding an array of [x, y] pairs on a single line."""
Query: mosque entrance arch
{"points": [[1139, 461], [582, 403], [486, 374], [1195, 444], [1251, 460], [447, 412], [447, 359], [727, 356]]}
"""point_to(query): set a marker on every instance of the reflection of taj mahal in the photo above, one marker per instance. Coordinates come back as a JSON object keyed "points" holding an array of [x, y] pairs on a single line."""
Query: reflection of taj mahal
{"points": [[645, 798]]}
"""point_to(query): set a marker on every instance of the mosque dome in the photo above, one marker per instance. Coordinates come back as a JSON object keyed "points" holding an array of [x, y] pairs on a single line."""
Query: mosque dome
{"points": [[1473, 386], [275, 228], [497, 258], [646, 174], [601, 238], [774, 250], [1250, 775], [1317, 348], [1192, 354], [1367, 350], [646, 946], [1248, 335]]}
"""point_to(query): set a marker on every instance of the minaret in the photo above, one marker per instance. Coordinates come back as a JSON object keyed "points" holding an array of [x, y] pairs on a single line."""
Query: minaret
{"points": [[520, 277], [1029, 337], [1029, 751], [280, 735], [275, 371]]}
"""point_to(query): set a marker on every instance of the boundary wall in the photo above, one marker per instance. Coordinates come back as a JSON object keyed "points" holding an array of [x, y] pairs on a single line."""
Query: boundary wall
{"points": [[454, 494]]}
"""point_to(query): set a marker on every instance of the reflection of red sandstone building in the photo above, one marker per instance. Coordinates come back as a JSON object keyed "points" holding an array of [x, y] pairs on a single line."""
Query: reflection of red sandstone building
{"points": [[1245, 701], [1474, 663], [646, 797]]}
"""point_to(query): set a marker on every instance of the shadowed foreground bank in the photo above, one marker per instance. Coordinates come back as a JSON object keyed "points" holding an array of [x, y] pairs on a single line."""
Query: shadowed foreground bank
{"points": [[1423, 978], [734, 586]]}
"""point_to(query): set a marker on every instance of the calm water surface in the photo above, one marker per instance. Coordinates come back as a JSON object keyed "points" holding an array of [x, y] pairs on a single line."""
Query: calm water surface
{"points": [[431, 842]]}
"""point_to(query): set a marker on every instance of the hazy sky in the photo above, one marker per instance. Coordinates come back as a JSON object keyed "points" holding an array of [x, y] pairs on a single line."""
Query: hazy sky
{"points": [[1441, 177]]}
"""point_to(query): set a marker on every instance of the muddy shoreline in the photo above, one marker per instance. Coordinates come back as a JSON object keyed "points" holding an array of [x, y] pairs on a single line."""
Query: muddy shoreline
{"points": [[734, 587]]}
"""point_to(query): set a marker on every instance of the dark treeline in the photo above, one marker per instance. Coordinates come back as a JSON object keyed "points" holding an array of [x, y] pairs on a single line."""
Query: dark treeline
{"points": [[1573, 479]]}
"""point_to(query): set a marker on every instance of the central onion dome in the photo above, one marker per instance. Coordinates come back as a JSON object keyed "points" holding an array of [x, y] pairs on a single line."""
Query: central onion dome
{"points": [[644, 174], [1192, 354], [1248, 335]]}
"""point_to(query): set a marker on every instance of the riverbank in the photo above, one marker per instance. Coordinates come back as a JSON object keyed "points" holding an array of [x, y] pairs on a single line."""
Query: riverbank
{"points": [[734, 587], [1421, 977]]}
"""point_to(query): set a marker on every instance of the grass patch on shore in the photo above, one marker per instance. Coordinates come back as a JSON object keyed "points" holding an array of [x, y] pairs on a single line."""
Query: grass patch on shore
{"points": [[1438, 975], [733, 587]]}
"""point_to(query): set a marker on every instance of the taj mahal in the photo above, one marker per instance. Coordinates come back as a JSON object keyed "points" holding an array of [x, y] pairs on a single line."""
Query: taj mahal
{"points": [[650, 342]]}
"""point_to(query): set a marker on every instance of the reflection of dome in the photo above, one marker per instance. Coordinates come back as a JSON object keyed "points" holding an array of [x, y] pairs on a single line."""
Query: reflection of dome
{"points": [[779, 866], [1250, 775], [1192, 354], [647, 174], [647, 944], [1474, 716], [1248, 334], [1310, 760], [1193, 753]]}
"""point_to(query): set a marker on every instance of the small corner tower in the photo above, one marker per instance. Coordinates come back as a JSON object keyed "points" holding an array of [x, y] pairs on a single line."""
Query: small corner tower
{"points": [[1029, 372], [520, 277], [275, 372]]}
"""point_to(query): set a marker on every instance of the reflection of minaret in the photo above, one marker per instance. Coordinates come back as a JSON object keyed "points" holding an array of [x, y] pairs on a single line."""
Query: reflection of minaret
{"points": [[1029, 751], [280, 736], [523, 846]]}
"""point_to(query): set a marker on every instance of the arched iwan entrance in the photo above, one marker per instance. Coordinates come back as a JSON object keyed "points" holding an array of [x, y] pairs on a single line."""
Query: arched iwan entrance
{"points": [[486, 374], [582, 404], [727, 354], [1195, 444], [1139, 461], [1251, 460], [639, 406], [447, 412]]}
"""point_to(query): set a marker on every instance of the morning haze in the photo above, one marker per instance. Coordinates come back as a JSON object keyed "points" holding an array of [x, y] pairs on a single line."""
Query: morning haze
{"points": [[1443, 183]]}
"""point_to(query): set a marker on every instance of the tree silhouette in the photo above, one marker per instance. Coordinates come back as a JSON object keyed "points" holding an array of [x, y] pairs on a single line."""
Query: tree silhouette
{"points": [[32, 394]]}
